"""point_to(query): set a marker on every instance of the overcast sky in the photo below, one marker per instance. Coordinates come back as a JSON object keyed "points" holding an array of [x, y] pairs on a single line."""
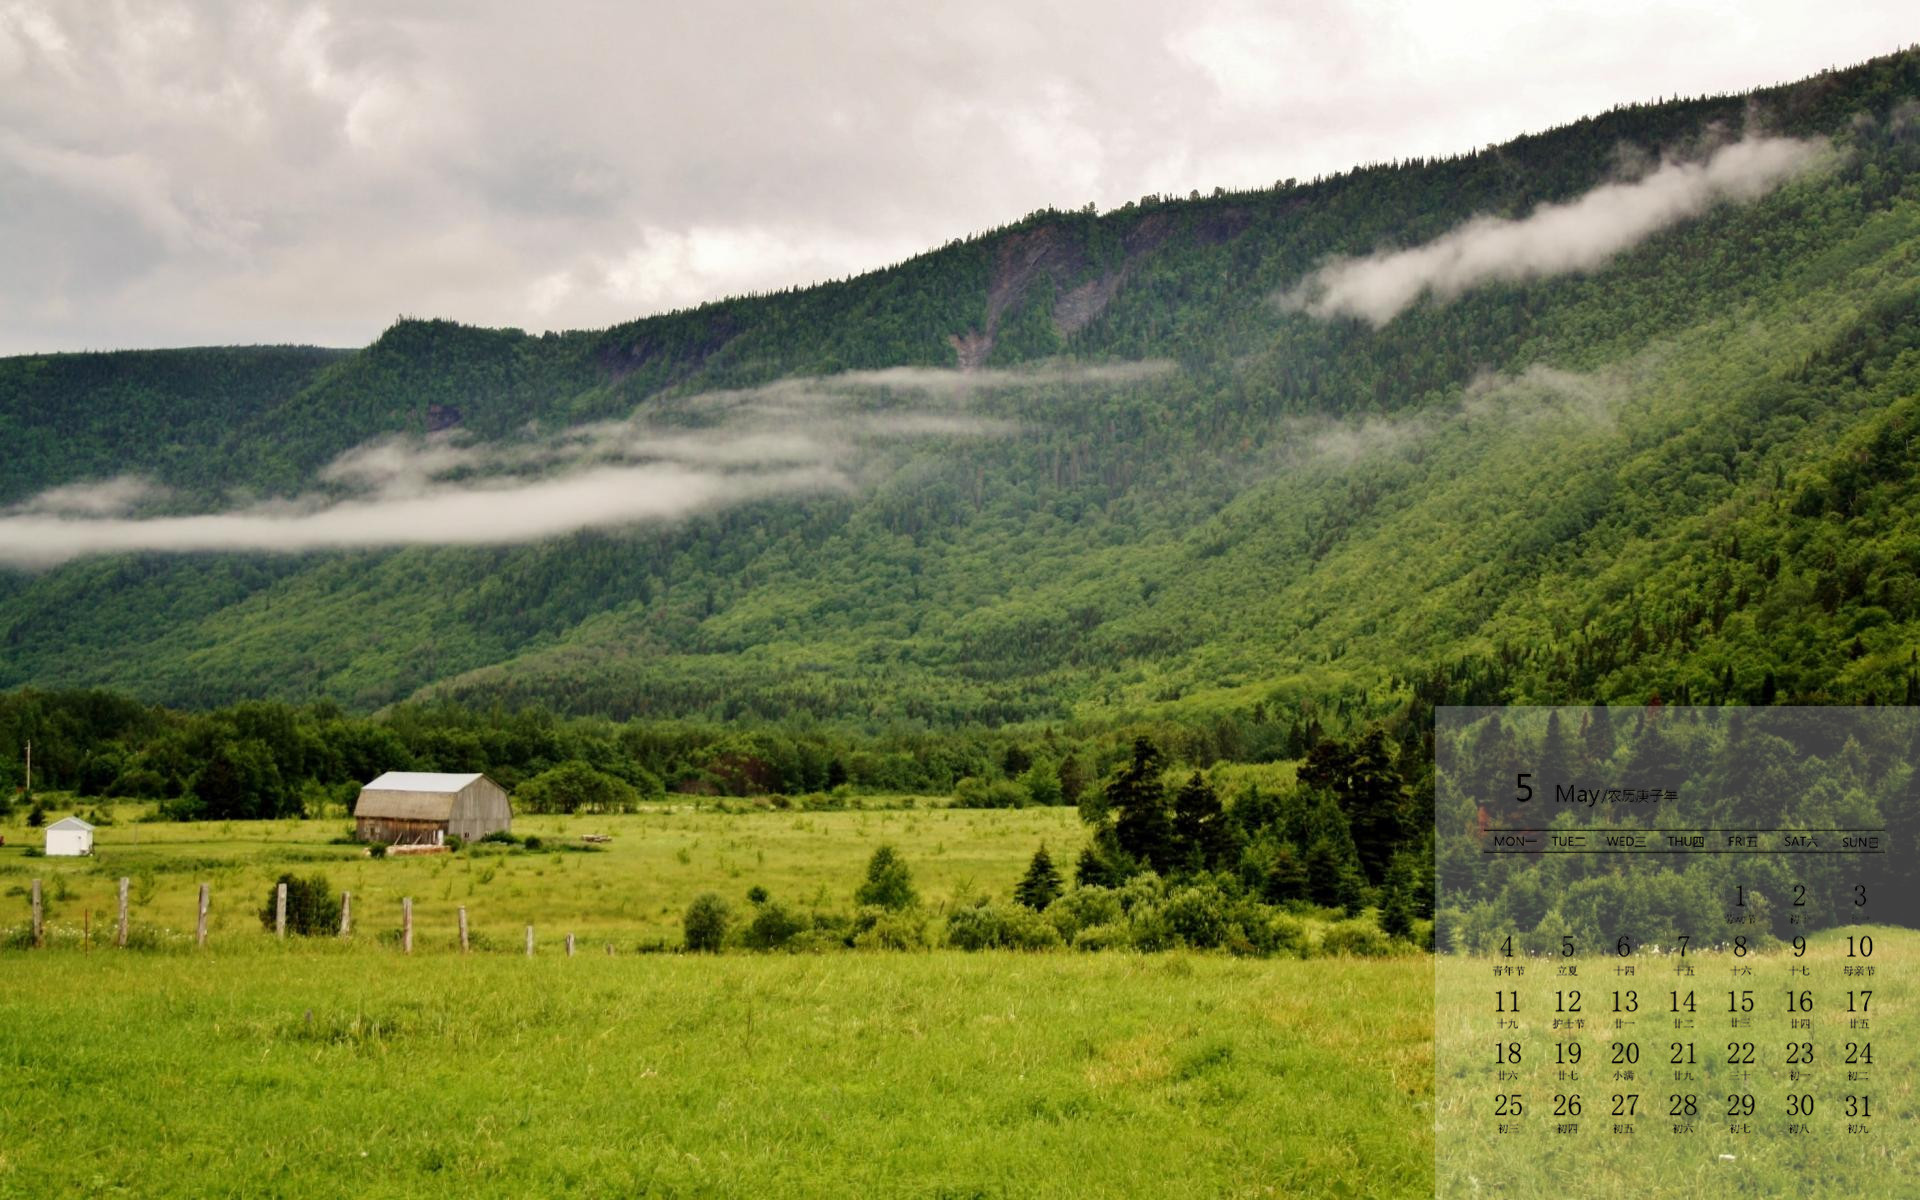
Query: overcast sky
{"points": [[196, 174]]}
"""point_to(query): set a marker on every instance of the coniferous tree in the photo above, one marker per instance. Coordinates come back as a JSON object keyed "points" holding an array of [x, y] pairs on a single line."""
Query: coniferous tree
{"points": [[1143, 826], [1073, 780], [1286, 877], [1364, 781], [1093, 870], [1201, 838], [1397, 898], [1041, 885]]}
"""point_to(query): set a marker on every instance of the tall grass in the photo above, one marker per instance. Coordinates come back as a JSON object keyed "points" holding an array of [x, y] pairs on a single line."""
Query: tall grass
{"points": [[262, 1069]]}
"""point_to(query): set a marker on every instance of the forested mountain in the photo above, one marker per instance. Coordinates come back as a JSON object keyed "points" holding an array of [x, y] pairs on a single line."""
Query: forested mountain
{"points": [[1149, 480]]}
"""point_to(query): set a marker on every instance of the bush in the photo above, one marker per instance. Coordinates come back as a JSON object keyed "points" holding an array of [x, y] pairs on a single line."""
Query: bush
{"points": [[973, 792], [1103, 937], [706, 923], [1082, 908], [377, 850], [878, 928], [815, 941], [1283, 935], [501, 837], [313, 907], [1200, 916], [532, 842], [1360, 939], [1024, 929], [773, 925], [973, 928]]}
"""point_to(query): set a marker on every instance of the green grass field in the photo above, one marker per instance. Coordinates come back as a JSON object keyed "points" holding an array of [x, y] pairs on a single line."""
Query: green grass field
{"points": [[634, 889], [313, 1071], [320, 1067]]}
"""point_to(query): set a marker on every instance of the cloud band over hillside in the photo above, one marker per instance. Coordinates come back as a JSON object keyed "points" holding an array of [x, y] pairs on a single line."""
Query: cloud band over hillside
{"points": [[792, 437], [1582, 234]]}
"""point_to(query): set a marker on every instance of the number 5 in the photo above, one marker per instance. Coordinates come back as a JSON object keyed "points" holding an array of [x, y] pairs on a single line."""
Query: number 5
{"points": [[1526, 789]]}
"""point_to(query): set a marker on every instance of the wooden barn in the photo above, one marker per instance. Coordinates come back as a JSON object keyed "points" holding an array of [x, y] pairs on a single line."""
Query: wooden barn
{"points": [[424, 808]]}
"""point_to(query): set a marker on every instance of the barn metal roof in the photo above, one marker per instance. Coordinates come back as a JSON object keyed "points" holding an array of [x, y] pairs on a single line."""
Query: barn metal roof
{"points": [[420, 781], [412, 796]]}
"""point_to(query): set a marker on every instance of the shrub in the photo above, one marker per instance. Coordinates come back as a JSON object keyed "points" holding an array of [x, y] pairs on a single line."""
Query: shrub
{"points": [[889, 884], [1082, 908], [1199, 916], [1147, 927], [532, 842], [313, 907], [773, 925], [973, 792], [455, 843], [1360, 939], [377, 850], [501, 837], [1103, 937], [1283, 935], [888, 929], [1024, 929], [756, 894], [706, 923], [973, 928], [815, 941]]}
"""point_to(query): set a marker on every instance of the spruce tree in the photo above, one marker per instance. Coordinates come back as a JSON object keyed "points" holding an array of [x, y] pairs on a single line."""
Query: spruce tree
{"points": [[1041, 885], [1201, 839], [1144, 827]]}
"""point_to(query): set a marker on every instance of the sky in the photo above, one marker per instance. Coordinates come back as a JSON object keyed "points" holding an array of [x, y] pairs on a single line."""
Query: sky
{"points": [[201, 174]]}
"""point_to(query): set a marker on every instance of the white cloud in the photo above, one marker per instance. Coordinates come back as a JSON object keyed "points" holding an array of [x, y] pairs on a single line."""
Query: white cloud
{"points": [[794, 437], [1554, 239]]}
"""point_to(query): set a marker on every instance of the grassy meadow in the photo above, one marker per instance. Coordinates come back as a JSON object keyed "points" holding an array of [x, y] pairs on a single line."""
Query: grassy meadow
{"points": [[318, 1067], [631, 890]]}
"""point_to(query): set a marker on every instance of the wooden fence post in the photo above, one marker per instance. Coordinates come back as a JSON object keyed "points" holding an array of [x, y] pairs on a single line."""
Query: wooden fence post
{"points": [[346, 914], [609, 949], [200, 929], [406, 924], [463, 929], [39, 923], [280, 910], [569, 945], [120, 932], [529, 941]]}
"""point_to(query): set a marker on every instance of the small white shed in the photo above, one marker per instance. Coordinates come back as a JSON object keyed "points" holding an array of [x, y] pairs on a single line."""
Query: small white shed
{"points": [[69, 838]]}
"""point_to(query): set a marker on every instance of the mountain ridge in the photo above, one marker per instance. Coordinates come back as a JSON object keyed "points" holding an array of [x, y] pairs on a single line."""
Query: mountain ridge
{"points": [[1185, 544]]}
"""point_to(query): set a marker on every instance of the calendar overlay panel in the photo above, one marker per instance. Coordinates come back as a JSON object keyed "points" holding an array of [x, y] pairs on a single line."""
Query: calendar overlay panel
{"points": [[1675, 951]]}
